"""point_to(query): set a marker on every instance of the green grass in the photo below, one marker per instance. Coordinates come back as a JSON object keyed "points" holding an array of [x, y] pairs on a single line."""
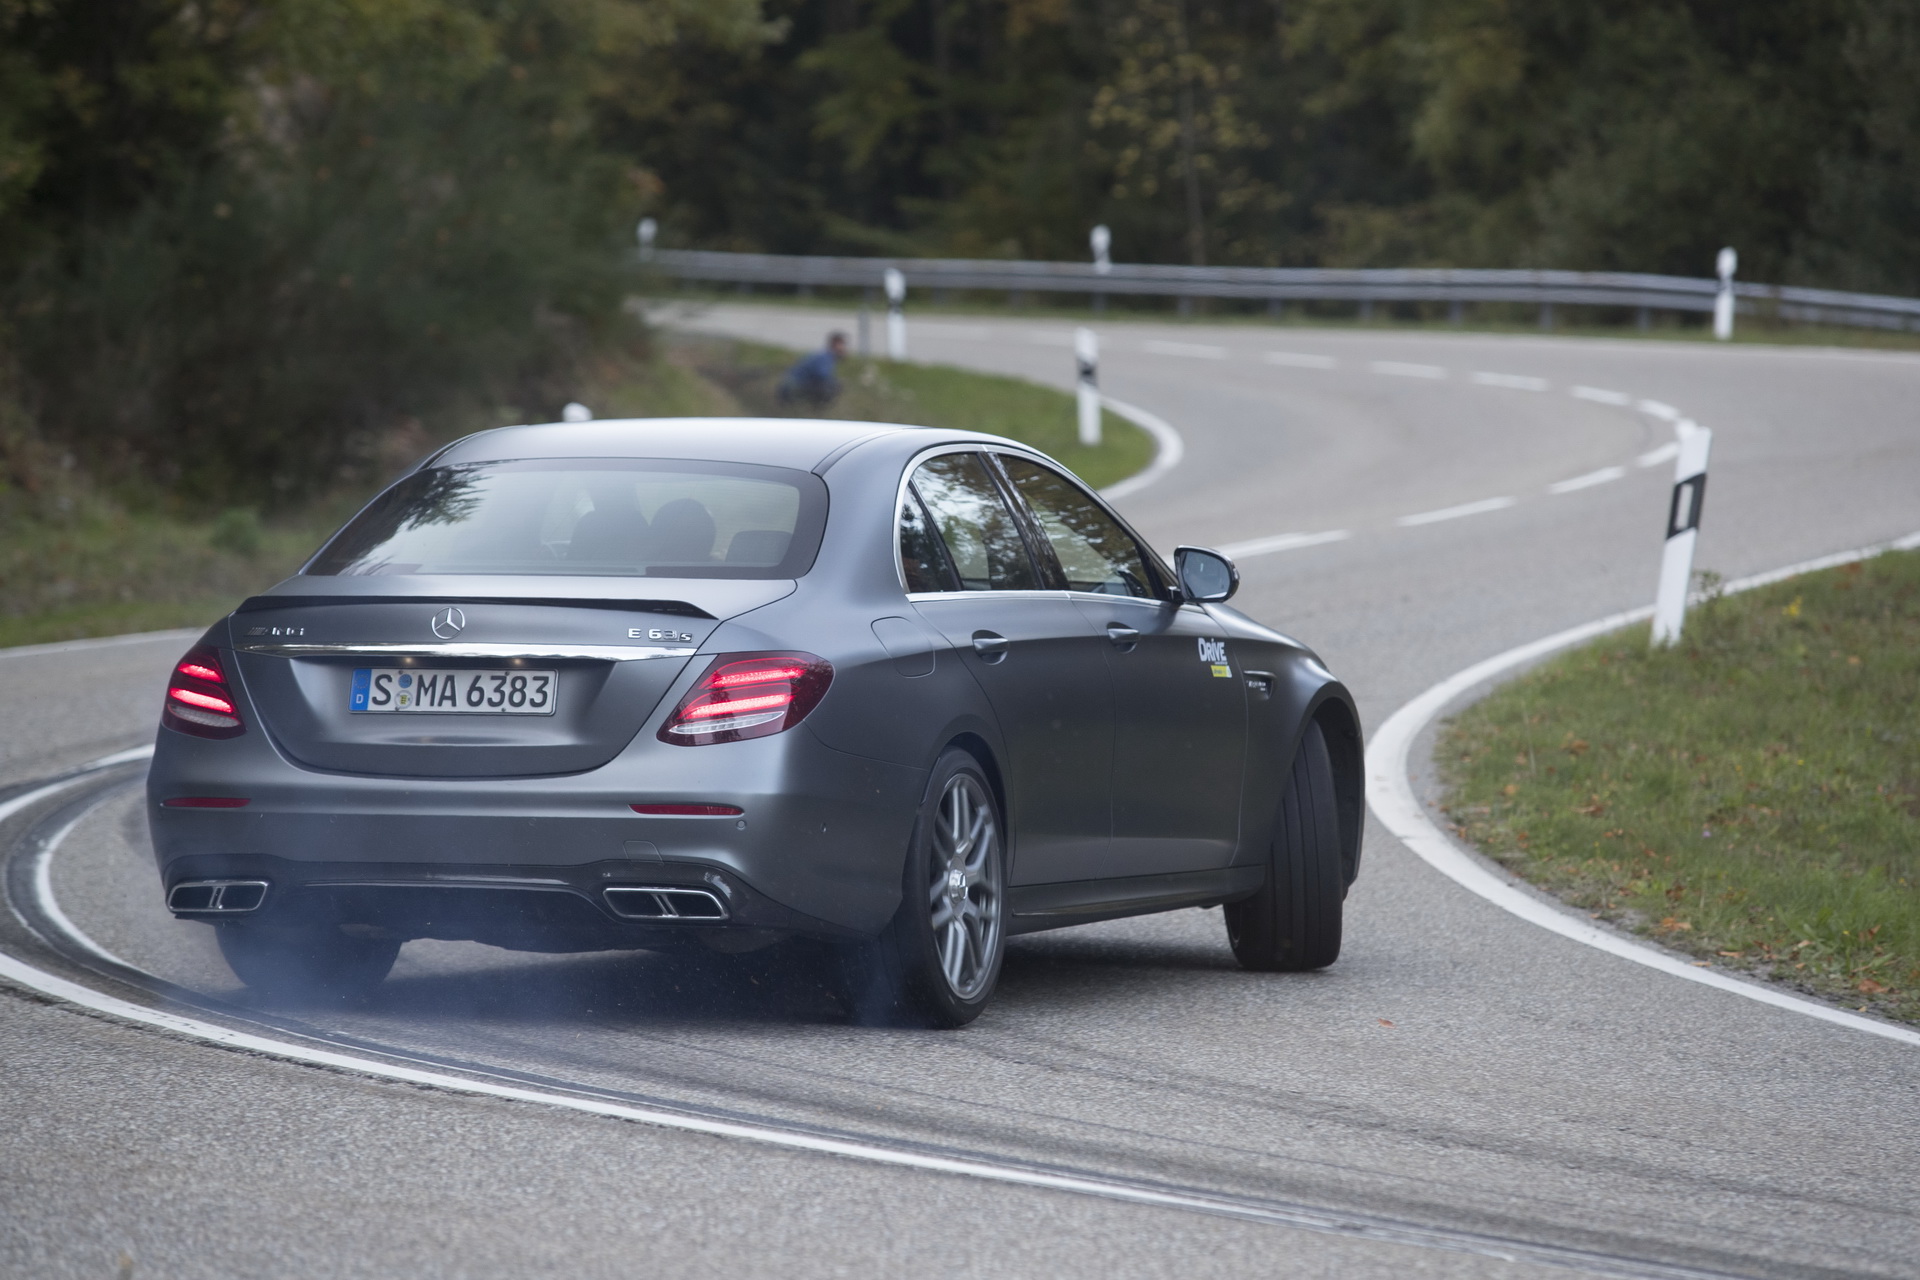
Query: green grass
{"points": [[933, 396], [1751, 795], [76, 562], [97, 569]]}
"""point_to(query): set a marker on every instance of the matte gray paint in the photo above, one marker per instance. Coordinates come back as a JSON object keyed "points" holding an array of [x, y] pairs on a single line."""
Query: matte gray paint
{"points": [[828, 806]]}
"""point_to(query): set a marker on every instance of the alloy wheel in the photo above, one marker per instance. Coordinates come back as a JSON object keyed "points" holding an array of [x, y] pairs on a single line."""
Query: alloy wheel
{"points": [[965, 890]]}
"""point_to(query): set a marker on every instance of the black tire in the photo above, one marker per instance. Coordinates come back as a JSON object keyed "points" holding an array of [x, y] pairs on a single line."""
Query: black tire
{"points": [[305, 963], [910, 975], [1293, 922]]}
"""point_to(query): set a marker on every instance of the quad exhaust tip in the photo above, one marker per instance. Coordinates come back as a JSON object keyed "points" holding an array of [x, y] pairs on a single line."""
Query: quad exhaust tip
{"points": [[216, 897], [665, 903]]}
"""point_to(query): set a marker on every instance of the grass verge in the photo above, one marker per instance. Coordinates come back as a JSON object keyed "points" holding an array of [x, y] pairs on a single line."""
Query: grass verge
{"points": [[76, 562], [1751, 796], [931, 396]]}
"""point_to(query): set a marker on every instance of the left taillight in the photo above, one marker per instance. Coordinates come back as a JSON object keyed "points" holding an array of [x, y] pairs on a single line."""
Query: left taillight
{"points": [[748, 695], [198, 699]]}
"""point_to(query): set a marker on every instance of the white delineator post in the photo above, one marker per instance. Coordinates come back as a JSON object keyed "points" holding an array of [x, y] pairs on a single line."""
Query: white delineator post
{"points": [[646, 232], [896, 316], [1725, 264], [1086, 357], [1683, 528], [1100, 240]]}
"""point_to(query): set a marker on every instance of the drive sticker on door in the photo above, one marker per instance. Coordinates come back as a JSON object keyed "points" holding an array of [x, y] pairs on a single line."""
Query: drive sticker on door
{"points": [[1214, 653]]}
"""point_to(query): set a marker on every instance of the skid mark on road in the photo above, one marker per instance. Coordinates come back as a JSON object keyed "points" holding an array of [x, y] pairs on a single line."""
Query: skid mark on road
{"points": [[400, 1065]]}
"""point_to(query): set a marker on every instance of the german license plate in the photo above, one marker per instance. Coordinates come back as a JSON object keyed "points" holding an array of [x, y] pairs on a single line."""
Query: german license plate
{"points": [[472, 693]]}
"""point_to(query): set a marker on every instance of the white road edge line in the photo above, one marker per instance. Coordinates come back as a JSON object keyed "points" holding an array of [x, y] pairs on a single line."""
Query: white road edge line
{"points": [[1390, 795], [1454, 513], [1171, 448], [1281, 542], [1588, 480], [1301, 1217]]}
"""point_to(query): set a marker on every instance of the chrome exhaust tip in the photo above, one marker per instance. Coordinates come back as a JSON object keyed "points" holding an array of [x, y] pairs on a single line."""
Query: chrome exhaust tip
{"points": [[665, 903], [216, 897]]}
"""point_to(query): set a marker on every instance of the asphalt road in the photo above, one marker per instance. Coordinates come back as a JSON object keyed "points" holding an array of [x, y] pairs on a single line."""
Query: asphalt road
{"points": [[1461, 1084]]}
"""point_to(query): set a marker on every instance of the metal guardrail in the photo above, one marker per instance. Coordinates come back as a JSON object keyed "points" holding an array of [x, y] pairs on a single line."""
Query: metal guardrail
{"points": [[1277, 285]]}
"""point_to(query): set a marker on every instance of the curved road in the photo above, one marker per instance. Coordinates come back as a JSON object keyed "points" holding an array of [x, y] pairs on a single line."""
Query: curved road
{"points": [[1463, 1094]]}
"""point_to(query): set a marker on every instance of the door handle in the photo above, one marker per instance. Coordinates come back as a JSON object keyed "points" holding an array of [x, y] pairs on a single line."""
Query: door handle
{"points": [[1122, 636], [990, 645]]}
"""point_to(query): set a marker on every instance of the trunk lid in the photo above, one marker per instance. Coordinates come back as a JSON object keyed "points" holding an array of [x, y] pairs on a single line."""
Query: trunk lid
{"points": [[298, 647]]}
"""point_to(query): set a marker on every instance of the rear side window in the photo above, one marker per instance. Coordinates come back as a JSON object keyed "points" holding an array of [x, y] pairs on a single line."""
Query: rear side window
{"points": [[977, 530], [1095, 553], [597, 517], [922, 558]]}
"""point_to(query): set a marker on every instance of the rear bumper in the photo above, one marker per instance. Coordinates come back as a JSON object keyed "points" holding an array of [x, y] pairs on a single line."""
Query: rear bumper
{"points": [[523, 908], [817, 847]]}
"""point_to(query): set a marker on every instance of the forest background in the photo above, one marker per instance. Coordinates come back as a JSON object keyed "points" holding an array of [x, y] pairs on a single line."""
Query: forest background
{"points": [[253, 250]]}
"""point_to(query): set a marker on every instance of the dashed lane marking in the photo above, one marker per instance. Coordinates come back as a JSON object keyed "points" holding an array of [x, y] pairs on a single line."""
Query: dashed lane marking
{"points": [[1281, 542], [1654, 457], [1190, 350], [1299, 360], [1599, 395], [1400, 369], [1512, 381], [1455, 513], [1588, 480]]}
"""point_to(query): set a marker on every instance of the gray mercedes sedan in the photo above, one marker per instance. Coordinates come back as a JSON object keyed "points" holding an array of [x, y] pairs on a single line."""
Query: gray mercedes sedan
{"points": [[883, 695]]}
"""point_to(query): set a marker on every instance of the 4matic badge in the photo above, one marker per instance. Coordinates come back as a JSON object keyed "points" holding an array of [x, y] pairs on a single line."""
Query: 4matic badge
{"points": [[1214, 653]]}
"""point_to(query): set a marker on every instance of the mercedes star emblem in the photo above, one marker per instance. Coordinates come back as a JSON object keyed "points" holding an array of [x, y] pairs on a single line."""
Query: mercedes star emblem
{"points": [[449, 623]]}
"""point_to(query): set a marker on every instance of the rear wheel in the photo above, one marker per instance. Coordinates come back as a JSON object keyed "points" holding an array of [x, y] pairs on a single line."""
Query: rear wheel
{"points": [[306, 962], [936, 963], [1293, 922]]}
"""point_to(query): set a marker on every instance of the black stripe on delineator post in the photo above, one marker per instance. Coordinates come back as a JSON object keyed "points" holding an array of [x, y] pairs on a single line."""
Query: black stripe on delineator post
{"points": [[1681, 518]]}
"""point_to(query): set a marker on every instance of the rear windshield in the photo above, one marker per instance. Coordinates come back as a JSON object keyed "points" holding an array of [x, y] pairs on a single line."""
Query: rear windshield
{"points": [[603, 517]]}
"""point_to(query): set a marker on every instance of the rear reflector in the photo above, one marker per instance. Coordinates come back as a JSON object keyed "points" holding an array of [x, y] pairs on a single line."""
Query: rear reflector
{"points": [[684, 810]]}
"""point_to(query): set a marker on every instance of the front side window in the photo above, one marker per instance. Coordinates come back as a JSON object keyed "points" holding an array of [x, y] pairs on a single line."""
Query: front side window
{"points": [[1094, 551], [598, 517], [982, 541]]}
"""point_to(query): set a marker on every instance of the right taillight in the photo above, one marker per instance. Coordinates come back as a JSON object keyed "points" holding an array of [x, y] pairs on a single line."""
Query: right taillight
{"points": [[198, 699], [748, 695]]}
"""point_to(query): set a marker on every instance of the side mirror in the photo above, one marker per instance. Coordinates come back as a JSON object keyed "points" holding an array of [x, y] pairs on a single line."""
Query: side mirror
{"points": [[1206, 576]]}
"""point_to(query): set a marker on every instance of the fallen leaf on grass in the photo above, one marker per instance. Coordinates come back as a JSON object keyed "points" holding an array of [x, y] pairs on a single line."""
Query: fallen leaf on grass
{"points": [[1867, 986]]}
